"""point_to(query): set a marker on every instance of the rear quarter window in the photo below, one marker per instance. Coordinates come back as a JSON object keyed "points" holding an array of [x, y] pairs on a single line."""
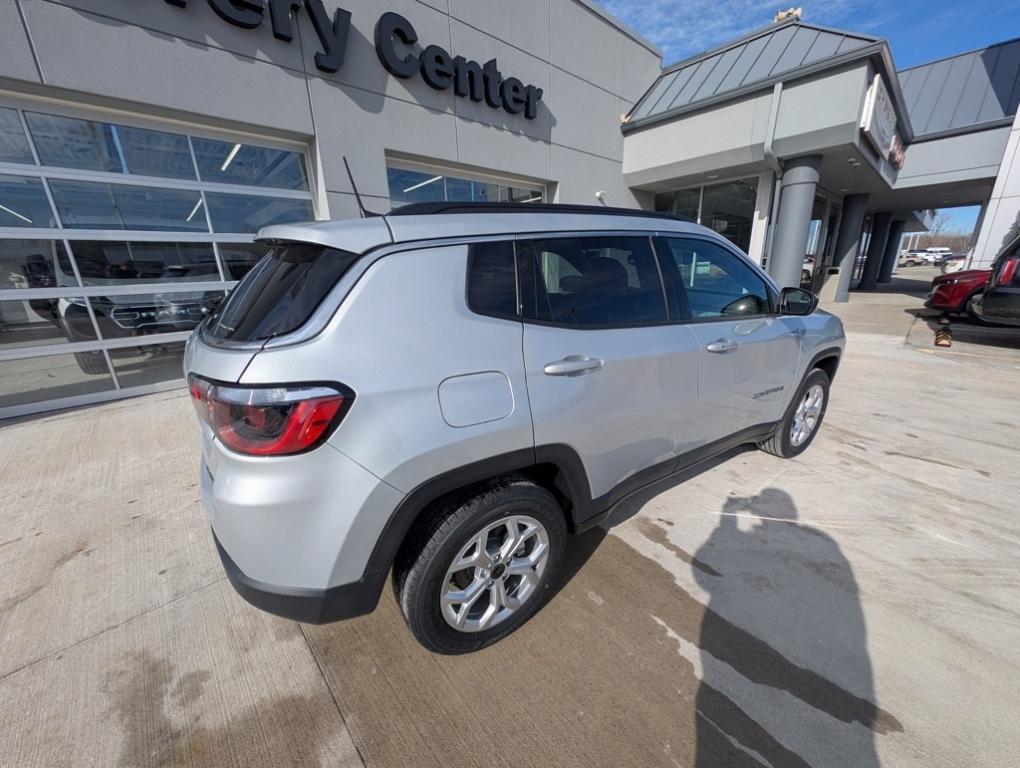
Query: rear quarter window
{"points": [[280, 293], [492, 280]]}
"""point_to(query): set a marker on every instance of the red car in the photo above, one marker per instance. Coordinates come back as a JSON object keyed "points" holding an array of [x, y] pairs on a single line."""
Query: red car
{"points": [[953, 292]]}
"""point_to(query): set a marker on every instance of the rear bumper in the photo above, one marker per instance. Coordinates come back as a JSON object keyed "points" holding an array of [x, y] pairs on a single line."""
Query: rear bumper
{"points": [[310, 606]]}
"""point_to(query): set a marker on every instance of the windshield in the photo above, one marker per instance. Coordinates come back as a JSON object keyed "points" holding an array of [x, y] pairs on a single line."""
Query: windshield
{"points": [[280, 293]]}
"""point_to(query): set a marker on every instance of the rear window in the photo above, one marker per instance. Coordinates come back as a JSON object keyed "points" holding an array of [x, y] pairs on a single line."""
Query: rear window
{"points": [[280, 293], [492, 280]]}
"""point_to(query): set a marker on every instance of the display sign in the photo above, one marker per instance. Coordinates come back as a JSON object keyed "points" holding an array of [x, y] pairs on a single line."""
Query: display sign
{"points": [[879, 123], [396, 43]]}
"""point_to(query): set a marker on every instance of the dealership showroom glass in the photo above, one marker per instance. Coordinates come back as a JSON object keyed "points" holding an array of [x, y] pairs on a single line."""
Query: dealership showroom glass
{"points": [[135, 173]]}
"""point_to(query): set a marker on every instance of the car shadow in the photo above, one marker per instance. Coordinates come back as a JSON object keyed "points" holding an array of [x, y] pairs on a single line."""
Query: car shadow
{"points": [[751, 651]]}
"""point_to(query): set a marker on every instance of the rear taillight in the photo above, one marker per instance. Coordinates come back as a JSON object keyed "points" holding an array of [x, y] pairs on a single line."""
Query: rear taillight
{"points": [[1007, 271], [268, 421]]}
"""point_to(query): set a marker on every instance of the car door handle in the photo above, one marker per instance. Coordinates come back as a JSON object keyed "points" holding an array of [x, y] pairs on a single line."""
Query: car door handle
{"points": [[572, 364], [722, 345]]}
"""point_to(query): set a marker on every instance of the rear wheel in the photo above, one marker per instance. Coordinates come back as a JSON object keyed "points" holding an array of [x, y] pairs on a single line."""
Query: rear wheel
{"points": [[481, 567], [973, 316], [802, 419]]}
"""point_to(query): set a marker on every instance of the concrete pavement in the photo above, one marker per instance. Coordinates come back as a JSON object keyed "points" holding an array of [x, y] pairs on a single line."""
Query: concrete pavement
{"points": [[858, 606]]}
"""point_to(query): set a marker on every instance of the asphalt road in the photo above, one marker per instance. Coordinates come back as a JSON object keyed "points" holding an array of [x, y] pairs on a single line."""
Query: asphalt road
{"points": [[858, 606]]}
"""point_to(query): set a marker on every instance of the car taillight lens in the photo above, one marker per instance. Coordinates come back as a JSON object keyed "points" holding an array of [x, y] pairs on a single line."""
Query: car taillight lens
{"points": [[268, 421], [1007, 271]]}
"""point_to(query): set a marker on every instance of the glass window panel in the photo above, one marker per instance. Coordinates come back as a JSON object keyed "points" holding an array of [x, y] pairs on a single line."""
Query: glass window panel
{"points": [[23, 203], [249, 213], [414, 187], [155, 153], [664, 203], [153, 364], [13, 142], [43, 378], [688, 202], [230, 163], [67, 142], [44, 321], [708, 282], [238, 259], [492, 279], [122, 317], [118, 263], [91, 205], [729, 210], [35, 264], [591, 281], [518, 195]]}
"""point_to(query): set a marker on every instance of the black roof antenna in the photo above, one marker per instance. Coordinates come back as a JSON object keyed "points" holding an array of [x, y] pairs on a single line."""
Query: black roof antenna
{"points": [[365, 213]]}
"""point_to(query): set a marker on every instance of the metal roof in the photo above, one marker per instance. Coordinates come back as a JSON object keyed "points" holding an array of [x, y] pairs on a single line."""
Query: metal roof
{"points": [[964, 91], [775, 52]]}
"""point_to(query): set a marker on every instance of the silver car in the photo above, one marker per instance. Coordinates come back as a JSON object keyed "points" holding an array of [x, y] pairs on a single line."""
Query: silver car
{"points": [[447, 392]]}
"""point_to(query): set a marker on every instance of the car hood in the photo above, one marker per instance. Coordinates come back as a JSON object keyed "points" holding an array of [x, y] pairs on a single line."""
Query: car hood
{"points": [[976, 275]]}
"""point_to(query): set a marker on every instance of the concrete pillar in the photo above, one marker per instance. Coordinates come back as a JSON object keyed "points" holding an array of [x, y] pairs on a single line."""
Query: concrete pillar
{"points": [[892, 251], [848, 242], [796, 198], [876, 247]]}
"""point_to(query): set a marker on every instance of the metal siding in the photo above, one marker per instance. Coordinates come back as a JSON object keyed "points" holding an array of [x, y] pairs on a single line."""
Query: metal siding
{"points": [[974, 88], [930, 94], [798, 48], [738, 72], [703, 70], [773, 50], [969, 89], [851, 44], [652, 97], [682, 78], [824, 46], [952, 90], [722, 68]]}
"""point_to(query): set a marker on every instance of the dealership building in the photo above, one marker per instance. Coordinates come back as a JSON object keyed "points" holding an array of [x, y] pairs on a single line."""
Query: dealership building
{"points": [[143, 143]]}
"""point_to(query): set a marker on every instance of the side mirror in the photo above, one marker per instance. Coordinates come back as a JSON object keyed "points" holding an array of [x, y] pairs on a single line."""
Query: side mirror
{"points": [[797, 301]]}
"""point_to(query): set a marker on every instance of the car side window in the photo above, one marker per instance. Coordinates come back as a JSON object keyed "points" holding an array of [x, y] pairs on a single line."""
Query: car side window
{"points": [[492, 279], [707, 281], [596, 281]]}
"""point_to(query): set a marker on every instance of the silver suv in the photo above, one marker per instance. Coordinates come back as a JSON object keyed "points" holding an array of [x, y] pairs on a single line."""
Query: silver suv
{"points": [[446, 392]]}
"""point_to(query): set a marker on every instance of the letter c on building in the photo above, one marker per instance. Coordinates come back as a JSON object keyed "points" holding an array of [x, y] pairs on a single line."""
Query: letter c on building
{"points": [[393, 27]]}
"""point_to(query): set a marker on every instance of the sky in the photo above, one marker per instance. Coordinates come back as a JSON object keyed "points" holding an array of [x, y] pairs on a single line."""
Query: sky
{"points": [[918, 31]]}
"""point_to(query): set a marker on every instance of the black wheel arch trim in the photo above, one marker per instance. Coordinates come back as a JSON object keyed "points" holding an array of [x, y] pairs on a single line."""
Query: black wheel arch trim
{"points": [[825, 354]]}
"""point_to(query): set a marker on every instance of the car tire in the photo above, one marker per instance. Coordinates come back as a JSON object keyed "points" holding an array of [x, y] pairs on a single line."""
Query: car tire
{"points": [[974, 317], [425, 575], [804, 412], [92, 363]]}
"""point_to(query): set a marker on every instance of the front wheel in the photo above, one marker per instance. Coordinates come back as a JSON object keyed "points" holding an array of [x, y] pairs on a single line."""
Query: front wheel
{"points": [[480, 568], [802, 418]]}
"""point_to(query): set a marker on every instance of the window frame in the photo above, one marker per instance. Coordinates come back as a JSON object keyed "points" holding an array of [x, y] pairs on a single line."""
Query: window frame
{"points": [[664, 252]]}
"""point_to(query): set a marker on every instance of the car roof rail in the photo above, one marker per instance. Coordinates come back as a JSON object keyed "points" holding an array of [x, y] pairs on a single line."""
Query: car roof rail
{"points": [[440, 207]]}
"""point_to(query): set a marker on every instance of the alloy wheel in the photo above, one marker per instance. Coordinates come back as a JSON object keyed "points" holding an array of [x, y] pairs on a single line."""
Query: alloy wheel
{"points": [[494, 573], [805, 418]]}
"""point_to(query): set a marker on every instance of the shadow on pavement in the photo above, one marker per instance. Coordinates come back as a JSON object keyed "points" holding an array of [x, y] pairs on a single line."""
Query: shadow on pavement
{"points": [[628, 666]]}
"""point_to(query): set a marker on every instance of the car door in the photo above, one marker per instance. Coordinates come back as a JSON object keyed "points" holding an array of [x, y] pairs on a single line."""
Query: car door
{"points": [[607, 373], [1002, 296], [748, 355]]}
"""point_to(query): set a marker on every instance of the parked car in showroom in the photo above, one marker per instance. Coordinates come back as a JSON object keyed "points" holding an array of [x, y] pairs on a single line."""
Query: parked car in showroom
{"points": [[954, 292], [1000, 302], [445, 392]]}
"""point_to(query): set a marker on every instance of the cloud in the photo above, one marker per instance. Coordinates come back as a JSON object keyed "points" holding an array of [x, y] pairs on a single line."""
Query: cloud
{"points": [[683, 28]]}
